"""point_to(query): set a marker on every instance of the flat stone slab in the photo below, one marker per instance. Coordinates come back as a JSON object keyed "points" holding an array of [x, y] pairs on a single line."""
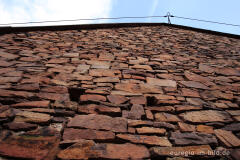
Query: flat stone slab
{"points": [[75, 134], [88, 149], [193, 138], [99, 122], [227, 137], [161, 82], [37, 148], [206, 116], [148, 140]]}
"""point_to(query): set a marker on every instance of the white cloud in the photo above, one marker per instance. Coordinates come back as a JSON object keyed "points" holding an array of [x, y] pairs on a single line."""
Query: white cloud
{"points": [[47, 10], [153, 8]]}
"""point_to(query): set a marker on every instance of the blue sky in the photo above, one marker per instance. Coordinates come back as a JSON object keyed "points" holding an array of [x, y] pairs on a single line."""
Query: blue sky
{"points": [[39, 10]]}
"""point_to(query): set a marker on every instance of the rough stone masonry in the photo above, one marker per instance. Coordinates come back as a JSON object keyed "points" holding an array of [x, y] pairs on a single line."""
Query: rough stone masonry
{"points": [[143, 92]]}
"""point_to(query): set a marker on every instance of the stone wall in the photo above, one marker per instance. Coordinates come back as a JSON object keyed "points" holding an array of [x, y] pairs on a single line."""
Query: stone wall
{"points": [[121, 93]]}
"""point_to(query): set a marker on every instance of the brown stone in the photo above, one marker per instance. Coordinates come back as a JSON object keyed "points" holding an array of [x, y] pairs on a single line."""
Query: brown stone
{"points": [[117, 99], [188, 151], [138, 100], [186, 107], [138, 88], [194, 77], [228, 72], [8, 93], [136, 112], [184, 127], [206, 68], [93, 108], [5, 63], [226, 137], [190, 93], [193, 84], [205, 129], [166, 117], [75, 134], [8, 56], [9, 80], [149, 114], [43, 104], [92, 97], [32, 117], [99, 122], [195, 101], [161, 109], [107, 80], [20, 126], [87, 149], [206, 116], [161, 82], [30, 147], [193, 138], [164, 125], [146, 67], [55, 89], [147, 140], [151, 130], [134, 123]]}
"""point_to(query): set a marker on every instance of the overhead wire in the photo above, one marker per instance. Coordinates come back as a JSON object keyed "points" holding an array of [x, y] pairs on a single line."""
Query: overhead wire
{"points": [[83, 19], [207, 21], [114, 18]]}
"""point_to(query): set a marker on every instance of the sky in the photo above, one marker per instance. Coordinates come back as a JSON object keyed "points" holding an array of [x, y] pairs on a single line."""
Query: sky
{"points": [[227, 11]]}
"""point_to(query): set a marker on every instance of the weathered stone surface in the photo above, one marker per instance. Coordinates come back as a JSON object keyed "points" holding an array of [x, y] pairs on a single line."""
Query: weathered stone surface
{"points": [[138, 88], [20, 126], [117, 99], [205, 129], [8, 93], [92, 97], [93, 108], [134, 123], [99, 122], [138, 100], [8, 56], [107, 79], [193, 138], [187, 107], [161, 82], [195, 77], [88, 149], [206, 116], [136, 112], [151, 130], [75, 134], [32, 117], [184, 127], [29, 147], [206, 68], [148, 140], [190, 93], [9, 79], [193, 84], [164, 125], [188, 151], [44, 104], [232, 127], [228, 72], [226, 137], [166, 117]]}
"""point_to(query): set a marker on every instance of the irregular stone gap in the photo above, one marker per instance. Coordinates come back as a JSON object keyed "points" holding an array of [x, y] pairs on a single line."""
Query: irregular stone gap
{"points": [[151, 101], [75, 93], [7, 102]]}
